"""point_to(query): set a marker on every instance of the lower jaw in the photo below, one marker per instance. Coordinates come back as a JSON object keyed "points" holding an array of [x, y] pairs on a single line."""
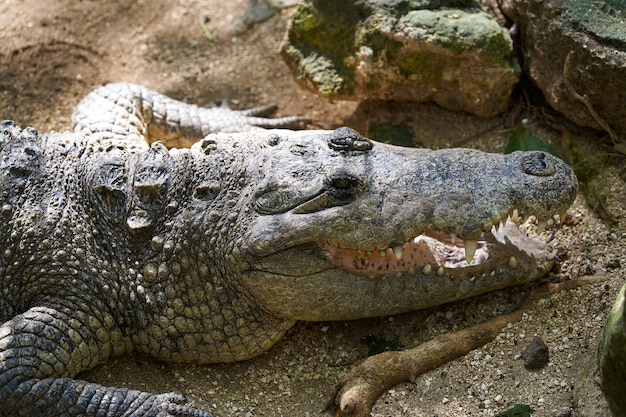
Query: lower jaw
{"points": [[332, 293], [314, 282]]}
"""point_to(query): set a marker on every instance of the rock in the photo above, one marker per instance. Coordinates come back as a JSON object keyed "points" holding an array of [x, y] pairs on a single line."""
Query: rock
{"points": [[575, 52], [588, 400], [612, 357], [536, 354], [450, 52]]}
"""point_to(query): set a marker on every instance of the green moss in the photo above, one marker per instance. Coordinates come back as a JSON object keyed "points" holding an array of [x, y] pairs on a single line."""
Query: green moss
{"points": [[305, 19], [324, 33], [424, 67], [462, 31], [329, 37]]}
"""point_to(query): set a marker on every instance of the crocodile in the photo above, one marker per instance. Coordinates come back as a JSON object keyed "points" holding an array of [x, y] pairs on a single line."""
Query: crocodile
{"points": [[112, 242]]}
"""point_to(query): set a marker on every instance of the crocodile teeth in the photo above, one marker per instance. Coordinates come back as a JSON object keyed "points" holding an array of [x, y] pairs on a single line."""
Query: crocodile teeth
{"points": [[398, 251], [453, 237], [470, 249], [562, 216]]}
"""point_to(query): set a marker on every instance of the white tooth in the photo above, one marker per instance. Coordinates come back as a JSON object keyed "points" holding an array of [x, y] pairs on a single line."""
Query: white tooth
{"points": [[513, 262], [397, 250], [427, 269], [541, 226], [515, 216], [453, 237], [470, 249], [382, 253], [562, 216], [440, 271]]}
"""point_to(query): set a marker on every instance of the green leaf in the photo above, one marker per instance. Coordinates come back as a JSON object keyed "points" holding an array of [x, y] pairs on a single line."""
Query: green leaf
{"points": [[523, 140], [519, 410]]}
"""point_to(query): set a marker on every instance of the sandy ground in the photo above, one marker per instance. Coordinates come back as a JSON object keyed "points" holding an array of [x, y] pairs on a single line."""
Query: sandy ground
{"points": [[53, 52]]}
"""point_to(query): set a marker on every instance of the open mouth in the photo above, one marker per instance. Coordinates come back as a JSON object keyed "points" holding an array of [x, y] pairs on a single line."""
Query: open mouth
{"points": [[437, 251]]}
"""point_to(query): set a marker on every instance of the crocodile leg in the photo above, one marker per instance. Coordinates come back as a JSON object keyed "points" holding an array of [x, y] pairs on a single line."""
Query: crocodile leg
{"points": [[42, 349]]}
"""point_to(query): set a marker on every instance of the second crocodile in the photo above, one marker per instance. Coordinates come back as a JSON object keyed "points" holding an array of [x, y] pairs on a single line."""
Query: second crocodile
{"points": [[210, 254]]}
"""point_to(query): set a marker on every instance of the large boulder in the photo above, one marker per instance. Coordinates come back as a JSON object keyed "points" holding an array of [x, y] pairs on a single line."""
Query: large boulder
{"points": [[450, 52], [575, 52]]}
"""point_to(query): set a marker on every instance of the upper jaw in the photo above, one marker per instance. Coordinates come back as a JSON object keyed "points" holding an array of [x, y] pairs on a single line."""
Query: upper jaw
{"points": [[468, 250], [393, 245]]}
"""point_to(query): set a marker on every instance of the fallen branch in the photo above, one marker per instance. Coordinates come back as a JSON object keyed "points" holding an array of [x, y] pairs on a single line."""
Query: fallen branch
{"points": [[357, 391]]}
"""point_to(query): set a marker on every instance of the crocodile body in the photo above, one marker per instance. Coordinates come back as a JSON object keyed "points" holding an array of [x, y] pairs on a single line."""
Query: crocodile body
{"points": [[112, 243]]}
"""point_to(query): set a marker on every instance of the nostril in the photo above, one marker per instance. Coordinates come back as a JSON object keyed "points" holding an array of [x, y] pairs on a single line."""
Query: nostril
{"points": [[538, 164]]}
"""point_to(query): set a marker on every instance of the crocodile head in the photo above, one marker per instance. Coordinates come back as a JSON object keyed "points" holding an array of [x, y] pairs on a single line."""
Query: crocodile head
{"points": [[342, 227]]}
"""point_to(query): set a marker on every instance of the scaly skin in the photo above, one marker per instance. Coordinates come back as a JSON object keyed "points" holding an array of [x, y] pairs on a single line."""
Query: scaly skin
{"points": [[210, 254]]}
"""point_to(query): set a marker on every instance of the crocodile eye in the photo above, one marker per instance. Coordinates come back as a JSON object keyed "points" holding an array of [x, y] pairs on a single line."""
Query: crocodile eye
{"points": [[343, 186], [342, 183]]}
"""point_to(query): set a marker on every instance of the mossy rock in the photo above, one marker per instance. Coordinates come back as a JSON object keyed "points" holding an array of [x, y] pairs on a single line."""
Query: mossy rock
{"points": [[450, 52]]}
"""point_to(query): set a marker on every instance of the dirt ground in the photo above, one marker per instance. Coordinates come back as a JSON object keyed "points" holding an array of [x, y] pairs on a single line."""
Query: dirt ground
{"points": [[54, 52]]}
